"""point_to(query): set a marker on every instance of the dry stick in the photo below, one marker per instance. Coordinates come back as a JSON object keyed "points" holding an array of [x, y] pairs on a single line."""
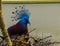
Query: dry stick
{"points": [[32, 30], [4, 31], [31, 36]]}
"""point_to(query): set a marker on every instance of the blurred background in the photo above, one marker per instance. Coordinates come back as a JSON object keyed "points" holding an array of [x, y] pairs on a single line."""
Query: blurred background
{"points": [[44, 17]]}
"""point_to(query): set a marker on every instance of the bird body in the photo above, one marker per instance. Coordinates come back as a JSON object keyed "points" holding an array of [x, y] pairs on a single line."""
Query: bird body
{"points": [[20, 27]]}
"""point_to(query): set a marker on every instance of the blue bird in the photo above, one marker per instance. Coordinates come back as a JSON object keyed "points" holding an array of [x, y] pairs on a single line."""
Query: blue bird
{"points": [[20, 28]]}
